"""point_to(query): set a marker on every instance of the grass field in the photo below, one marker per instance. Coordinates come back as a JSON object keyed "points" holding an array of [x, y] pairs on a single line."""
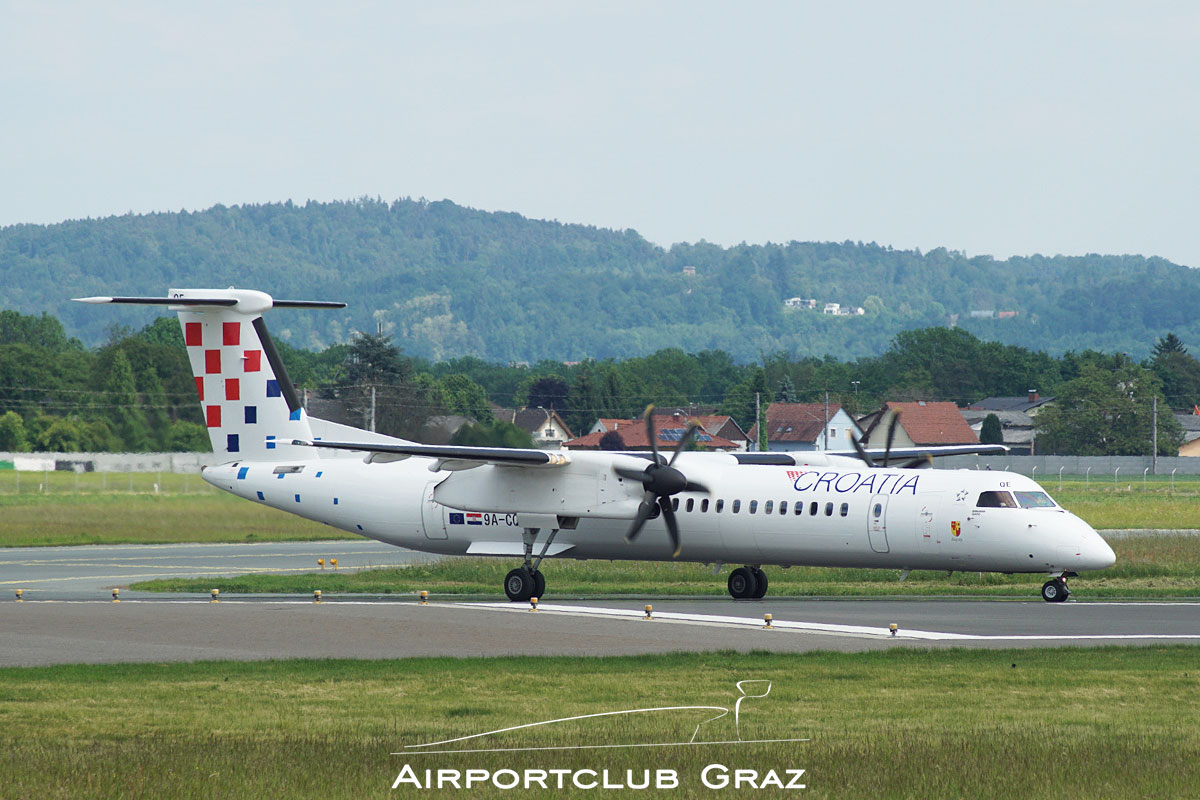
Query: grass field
{"points": [[1152, 566], [1108, 722], [65, 508]]}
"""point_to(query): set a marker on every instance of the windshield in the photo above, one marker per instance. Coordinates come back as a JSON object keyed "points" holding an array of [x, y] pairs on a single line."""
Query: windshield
{"points": [[1034, 500], [996, 500]]}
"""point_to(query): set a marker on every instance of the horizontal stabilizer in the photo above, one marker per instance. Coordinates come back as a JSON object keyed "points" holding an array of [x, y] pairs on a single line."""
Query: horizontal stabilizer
{"points": [[204, 301]]}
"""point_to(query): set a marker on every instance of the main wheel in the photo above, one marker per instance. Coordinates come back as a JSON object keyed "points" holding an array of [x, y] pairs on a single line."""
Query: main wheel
{"points": [[742, 583], [1055, 590], [539, 584], [519, 584], [760, 580]]}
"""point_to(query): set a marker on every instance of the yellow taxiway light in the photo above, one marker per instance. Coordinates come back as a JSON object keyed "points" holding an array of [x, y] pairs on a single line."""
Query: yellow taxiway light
{"points": [[767, 619]]}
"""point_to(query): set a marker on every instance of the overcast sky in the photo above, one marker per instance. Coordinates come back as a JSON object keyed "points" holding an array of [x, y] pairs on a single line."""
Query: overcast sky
{"points": [[1001, 128]]}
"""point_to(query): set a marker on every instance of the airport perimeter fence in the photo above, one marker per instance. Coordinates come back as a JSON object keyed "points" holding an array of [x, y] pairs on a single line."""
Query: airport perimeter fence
{"points": [[1094, 472], [105, 473]]}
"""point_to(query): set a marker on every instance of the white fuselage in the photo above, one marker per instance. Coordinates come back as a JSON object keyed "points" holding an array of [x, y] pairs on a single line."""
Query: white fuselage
{"points": [[849, 515]]}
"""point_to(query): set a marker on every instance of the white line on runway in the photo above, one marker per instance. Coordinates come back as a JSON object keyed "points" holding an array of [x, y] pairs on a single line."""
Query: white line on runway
{"points": [[812, 627]]}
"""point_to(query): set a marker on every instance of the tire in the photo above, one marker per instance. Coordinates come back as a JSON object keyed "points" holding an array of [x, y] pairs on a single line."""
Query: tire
{"points": [[742, 583], [1054, 590], [519, 585], [539, 585], [760, 580]]}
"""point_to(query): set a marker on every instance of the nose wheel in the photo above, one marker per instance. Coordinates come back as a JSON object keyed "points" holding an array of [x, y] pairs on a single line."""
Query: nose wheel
{"points": [[1055, 590]]}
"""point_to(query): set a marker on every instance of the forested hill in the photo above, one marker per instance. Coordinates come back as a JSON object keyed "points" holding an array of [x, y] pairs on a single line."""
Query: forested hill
{"points": [[447, 281]]}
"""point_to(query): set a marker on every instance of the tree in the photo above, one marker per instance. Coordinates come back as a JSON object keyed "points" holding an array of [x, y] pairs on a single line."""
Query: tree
{"points": [[464, 396], [120, 394], [1168, 344], [155, 407], [497, 434], [787, 390], [1179, 372], [549, 391], [373, 361], [12, 433], [187, 437], [612, 441], [991, 432], [1107, 412]]}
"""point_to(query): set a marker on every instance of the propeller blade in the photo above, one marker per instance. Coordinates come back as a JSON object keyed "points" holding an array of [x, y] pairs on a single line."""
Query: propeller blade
{"points": [[862, 454], [920, 462], [684, 442], [887, 451], [644, 512], [651, 434], [672, 526], [632, 474], [692, 486]]}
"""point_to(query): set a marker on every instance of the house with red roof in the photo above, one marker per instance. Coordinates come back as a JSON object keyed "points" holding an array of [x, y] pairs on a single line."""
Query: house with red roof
{"points": [[668, 427], [923, 423], [808, 426]]}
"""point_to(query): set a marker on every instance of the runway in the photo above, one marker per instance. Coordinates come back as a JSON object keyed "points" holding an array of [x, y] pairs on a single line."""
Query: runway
{"points": [[91, 572], [68, 616]]}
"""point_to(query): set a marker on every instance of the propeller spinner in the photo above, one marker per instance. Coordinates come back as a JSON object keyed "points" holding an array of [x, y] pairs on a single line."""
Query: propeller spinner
{"points": [[661, 480]]}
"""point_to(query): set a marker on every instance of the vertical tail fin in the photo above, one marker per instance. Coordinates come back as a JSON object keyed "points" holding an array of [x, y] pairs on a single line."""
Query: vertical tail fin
{"points": [[251, 409]]}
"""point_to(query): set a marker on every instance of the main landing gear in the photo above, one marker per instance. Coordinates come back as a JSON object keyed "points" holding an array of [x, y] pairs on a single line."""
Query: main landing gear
{"points": [[1055, 590], [527, 580], [748, 583]]}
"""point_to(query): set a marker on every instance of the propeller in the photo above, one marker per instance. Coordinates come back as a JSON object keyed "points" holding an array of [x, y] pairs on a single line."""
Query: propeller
{"points": [[661, 479], [891, 435]]}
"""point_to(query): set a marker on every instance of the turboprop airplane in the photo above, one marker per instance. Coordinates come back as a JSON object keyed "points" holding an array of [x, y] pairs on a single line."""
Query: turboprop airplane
{"points": [[852, 509]]}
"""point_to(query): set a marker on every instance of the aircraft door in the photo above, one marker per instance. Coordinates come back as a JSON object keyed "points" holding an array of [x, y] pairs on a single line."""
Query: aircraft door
{"points": [[433, 515], [877, 523]]}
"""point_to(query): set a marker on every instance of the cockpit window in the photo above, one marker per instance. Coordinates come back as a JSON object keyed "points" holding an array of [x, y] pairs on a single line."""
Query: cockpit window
{"points": [[1034, 500], [996, 500]]}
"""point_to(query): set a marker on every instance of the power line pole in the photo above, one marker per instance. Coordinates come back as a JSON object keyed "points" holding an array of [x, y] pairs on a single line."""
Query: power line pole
{"points": [[372, 408], [826, 435], [758, 426]]}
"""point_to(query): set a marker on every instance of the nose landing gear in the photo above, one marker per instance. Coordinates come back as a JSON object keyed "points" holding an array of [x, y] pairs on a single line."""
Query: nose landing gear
{"points": [[1055, 590]]}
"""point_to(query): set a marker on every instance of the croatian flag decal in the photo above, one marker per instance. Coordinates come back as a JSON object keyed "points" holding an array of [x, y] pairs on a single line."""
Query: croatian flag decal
{"points": [[456, 518], [474, 519]]}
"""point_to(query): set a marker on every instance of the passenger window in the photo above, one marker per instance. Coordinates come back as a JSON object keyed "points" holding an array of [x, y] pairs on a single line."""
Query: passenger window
{"points": [[845, 509], [720, 505], [996, 500], [829, 509], [812, 509], [737, 506], [691, 503], [704, 505], [877, 510], [753, 506], [674, 503], [799, 508], [769, 507], [783, 506]]}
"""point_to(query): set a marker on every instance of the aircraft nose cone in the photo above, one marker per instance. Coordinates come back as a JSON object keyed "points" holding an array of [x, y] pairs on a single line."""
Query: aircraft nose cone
{"points": [[1096, 554]]}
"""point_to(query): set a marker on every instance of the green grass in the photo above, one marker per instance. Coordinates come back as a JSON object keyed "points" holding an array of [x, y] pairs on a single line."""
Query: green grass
{"points": [[1107, 722], [69, 519], [1149, 566]]}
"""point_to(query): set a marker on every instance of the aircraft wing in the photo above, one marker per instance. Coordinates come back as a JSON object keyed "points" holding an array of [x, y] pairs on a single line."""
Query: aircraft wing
{"points": [[449, 457], [939, 450]]}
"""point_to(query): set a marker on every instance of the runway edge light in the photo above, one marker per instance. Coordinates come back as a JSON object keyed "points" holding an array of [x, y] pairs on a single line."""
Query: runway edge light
{"points": [[214, 594], [767, 619], [424, 598], [316, 595], [649, 610], [893, 628], [116, 595], [19, 593]]}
